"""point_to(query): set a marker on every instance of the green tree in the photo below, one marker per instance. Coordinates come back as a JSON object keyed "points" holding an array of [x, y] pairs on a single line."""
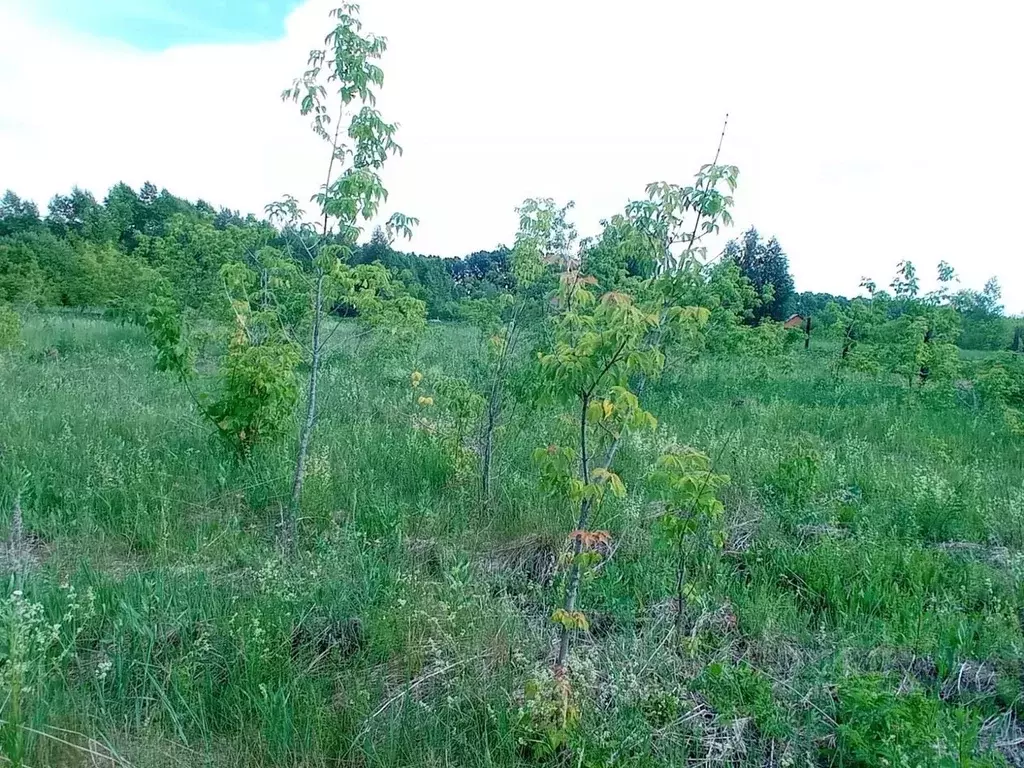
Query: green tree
{"points": [[981, 317], [917, 338], [17, 215], [77, 215], [124, 215], [766, 266], [340, 84]]}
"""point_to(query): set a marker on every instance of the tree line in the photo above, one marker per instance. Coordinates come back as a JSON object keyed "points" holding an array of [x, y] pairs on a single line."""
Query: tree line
{"points": [[89, 253], [108, 254]]}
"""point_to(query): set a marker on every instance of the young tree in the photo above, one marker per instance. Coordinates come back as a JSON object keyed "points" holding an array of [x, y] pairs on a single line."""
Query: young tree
{"points": [[599, 344], [692, 520], [856, 323], [277, 296], [917, 339], [605, 350], [544, 245], [340, 85]]}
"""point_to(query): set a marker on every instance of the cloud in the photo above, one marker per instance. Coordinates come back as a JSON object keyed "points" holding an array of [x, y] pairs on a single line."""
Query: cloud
{"points": [[865, 133]]}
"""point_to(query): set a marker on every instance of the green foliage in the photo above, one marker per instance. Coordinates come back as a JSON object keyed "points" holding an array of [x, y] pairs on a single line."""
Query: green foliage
{"points": [[692, 520], [690, 493], [164, 323], [740, 690], [190, 255], [663, 217], [798, 473], [853, 593], [878, 727], [764, 345], [256, 387], [918, 338], [412, 620], [981, 318], [1000, 381], [35, 653], [766, 266], [380, 302], [622, 253], [10, 327], [448, 412], [856, 326], [17, 216], [259, 384], [548, 716]]}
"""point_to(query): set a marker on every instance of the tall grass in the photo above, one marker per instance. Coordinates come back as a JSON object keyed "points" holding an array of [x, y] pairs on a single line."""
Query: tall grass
{"points": [[874, 555]]}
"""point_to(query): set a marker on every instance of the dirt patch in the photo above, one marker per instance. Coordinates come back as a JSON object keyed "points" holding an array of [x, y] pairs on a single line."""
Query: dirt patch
{"points": [[1005, 735], [998, 557], [533, 558], [970, 679], [809, 531], [23, 551]]}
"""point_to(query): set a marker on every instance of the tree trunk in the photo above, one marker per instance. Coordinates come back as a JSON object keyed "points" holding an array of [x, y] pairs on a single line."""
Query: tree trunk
{"points": [[573, 587], [680, 588], [807, 332], [488, 448], [1018, 339], [291, 523], [847, 341]]}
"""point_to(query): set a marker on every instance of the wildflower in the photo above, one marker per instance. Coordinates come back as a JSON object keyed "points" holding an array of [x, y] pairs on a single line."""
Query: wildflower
{"points": [[417, 377], [425, 401], [103, 669]]}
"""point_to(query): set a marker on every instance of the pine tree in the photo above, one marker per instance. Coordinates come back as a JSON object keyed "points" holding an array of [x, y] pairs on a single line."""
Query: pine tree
{"points": [[766, 266]]}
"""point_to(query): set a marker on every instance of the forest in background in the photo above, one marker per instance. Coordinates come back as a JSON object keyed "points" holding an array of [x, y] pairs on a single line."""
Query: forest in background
{"points": [[84, 253]]}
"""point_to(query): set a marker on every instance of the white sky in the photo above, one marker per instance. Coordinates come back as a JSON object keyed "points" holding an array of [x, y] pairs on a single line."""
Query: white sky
{"points": [[866, 132]]}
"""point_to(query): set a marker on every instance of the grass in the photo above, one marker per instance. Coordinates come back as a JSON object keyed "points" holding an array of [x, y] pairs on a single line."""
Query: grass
{"points": [[867, 605]]}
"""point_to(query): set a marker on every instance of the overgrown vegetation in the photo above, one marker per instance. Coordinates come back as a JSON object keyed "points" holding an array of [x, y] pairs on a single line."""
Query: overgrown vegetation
{"points": [[616, 515]]}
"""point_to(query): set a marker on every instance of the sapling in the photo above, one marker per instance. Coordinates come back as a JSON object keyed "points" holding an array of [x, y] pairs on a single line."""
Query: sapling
{"points": [[544, 245], [918, 333], [599, 344], [693, 514], [340, 84], [602, 346]]}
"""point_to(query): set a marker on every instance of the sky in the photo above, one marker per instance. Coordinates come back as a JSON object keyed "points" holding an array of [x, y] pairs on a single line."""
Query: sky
{"points": [[866, 133]]}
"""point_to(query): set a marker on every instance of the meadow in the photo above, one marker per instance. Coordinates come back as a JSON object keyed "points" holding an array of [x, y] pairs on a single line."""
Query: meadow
{"points": [[865, 608]]}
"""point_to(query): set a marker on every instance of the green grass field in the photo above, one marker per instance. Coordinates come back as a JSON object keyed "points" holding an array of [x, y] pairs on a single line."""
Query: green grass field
{"points": [[866, 609]]}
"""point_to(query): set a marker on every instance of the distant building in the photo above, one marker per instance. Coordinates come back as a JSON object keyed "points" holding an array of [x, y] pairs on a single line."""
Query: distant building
{"points": [[795, 321]]}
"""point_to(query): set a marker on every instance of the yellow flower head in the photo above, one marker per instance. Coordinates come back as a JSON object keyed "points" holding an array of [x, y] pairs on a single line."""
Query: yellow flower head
{"points": [[426, 401], [417, 377]]}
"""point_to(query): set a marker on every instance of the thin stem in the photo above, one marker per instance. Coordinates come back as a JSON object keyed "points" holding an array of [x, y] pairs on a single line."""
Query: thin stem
{"points": [[291, 524], [494, 403], [700, 211], [573, 587], [310, 421]]}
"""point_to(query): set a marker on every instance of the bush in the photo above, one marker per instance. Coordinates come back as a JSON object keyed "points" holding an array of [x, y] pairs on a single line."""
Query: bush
{"points": [[879, 727]]}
